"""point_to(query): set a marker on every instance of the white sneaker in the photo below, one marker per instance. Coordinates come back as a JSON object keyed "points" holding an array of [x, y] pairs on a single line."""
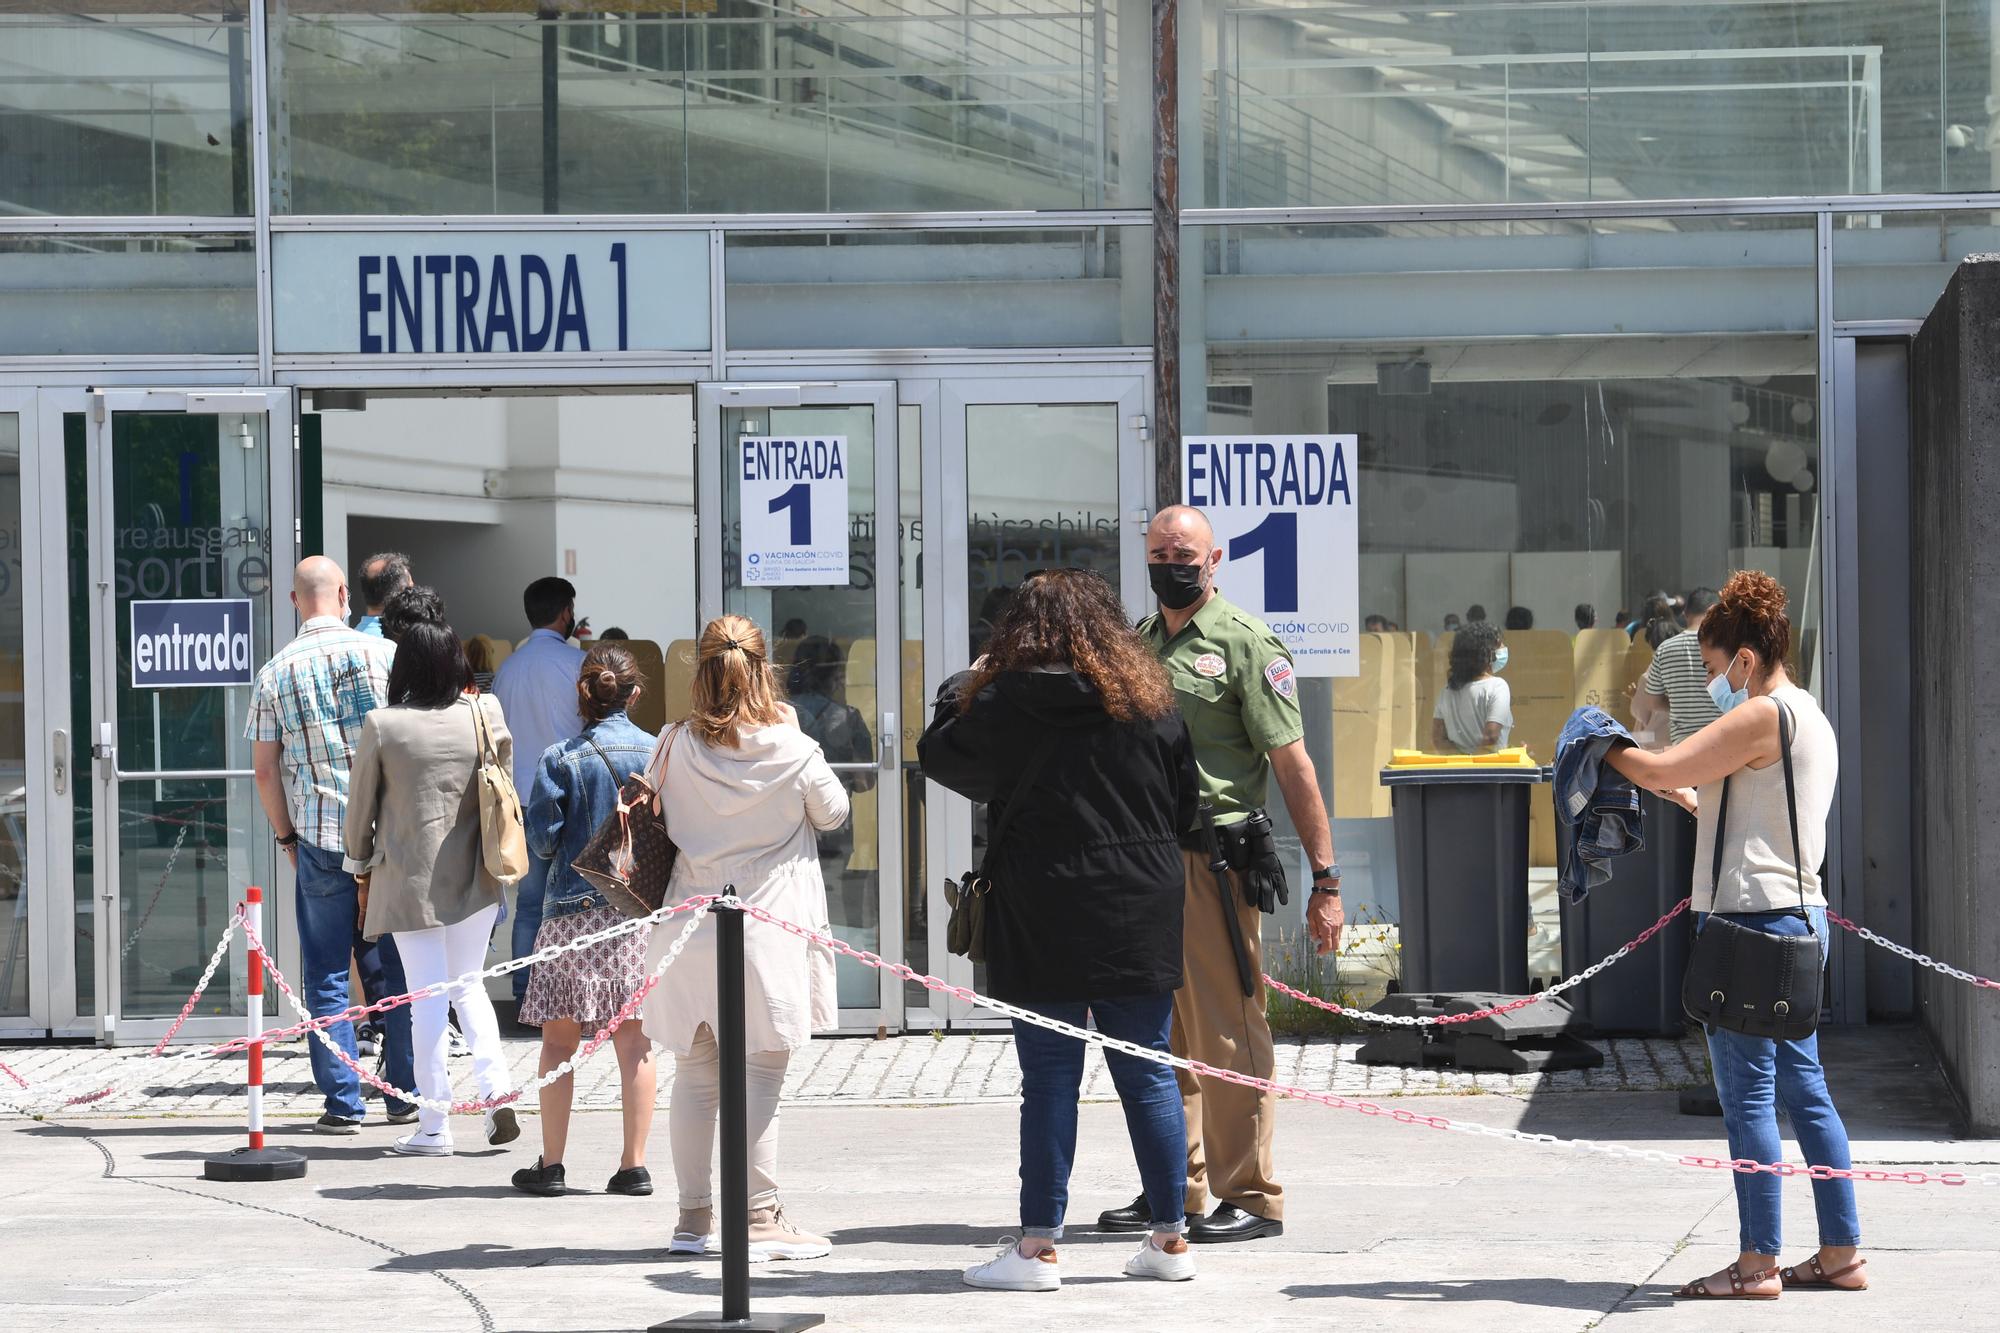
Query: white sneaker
{"points": [[420, 1144], [694, 1233], [1010, 1270], [1173, 1264]]}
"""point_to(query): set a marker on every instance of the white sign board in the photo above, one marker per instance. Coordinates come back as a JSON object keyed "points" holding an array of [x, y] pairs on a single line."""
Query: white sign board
{"points": [[793, 510], [1283, 511], [489, 293]]}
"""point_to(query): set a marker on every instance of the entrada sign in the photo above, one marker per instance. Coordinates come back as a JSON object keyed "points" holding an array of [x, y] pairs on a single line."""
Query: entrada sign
{"points": [[187, 642], [466, 292]]}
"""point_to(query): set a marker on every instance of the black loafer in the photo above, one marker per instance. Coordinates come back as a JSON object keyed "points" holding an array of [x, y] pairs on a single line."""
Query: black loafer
{"points": [[1230, 1223], [546, 1181], [636, 1181], [1135, 1216]]}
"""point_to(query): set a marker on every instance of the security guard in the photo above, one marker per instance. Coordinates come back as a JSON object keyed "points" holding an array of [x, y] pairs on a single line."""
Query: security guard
{"points": [[1239, 696]]}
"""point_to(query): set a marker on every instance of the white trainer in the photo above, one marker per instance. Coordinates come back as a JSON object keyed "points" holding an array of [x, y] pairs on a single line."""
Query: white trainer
{"points": [[1010, 1270], [1173, 1264], [695, 1233], [420, 1144]]}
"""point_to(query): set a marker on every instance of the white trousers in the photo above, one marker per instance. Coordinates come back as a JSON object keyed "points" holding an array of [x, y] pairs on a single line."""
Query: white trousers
{"points": [[697, 1097], [431, 956]]}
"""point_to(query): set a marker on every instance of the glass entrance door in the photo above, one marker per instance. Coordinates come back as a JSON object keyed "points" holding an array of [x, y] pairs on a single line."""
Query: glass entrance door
{"points": [[192, 542], [1039, 473], [803, 479]]}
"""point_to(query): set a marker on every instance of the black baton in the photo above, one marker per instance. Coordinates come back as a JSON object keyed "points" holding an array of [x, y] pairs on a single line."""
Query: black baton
{"points": [[1218, 865]]}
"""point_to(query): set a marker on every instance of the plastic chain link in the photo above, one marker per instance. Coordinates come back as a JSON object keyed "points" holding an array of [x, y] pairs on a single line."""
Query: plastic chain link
{"points": [[1420, 1021], [1921, 959], [1399, 1116], [477, 1105]]}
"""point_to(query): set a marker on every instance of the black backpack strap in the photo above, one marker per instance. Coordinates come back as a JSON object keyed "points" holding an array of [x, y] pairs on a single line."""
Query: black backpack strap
{"points": [[1029, 772]]}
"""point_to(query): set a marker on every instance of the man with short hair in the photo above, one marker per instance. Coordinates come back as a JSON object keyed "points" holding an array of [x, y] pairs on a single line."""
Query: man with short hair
{"points": [[383, 575], [536, 687], [1676, 683], [1239, 694], [305, 718]]}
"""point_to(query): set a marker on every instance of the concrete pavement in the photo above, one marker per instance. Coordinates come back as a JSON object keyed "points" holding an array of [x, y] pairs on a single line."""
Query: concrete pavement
{"points": [[107, 1225]]}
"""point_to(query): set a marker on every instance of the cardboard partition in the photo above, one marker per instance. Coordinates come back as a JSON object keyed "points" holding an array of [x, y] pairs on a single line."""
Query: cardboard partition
{"points": [[1364, 730]]}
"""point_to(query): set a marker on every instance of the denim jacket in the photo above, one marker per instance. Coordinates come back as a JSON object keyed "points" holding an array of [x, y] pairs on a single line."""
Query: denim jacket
{"points": [[1594, 801], [573, 793]]}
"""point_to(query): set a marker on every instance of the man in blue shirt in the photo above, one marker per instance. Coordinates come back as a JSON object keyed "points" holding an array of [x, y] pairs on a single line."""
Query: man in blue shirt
{"points": [[536, 687], [383, 575]]}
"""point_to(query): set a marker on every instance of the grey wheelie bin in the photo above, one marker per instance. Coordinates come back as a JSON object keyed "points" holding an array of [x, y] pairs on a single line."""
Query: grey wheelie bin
{"points": [[1642, 993], [1462, 863]]}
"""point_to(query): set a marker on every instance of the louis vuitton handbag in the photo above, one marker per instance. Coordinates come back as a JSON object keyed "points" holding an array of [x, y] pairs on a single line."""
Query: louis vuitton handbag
{"points": [[630, 856]]}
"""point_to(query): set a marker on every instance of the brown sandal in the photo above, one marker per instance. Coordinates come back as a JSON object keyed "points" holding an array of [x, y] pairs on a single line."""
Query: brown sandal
{"points": [[1738, 1282], [1812, 1275]]}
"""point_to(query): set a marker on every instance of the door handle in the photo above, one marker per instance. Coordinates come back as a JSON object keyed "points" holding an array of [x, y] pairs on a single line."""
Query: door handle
{"points": [[59, 743], [105, 752], [888, 741]]}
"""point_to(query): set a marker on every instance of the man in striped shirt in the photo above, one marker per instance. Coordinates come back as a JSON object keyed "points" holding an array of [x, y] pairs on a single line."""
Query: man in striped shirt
{"points": [[1677, 682], [305, 718]]}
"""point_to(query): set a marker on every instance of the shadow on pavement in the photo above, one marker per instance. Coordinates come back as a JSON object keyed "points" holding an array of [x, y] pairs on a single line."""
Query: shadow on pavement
{"points": [[153, 1130], [316, 1151], [802, 1282], [479, 1255], [407, 1190], [1548, 1292], [958, 1234]]}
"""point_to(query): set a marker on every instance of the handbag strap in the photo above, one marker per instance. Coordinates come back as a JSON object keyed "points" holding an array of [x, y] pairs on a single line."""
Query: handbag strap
{"points": [[592, 743], [1029, 772], [1785, 735], [482, 731]]}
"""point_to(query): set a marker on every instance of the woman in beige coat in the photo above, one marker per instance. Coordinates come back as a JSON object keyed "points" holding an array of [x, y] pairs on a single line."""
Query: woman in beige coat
{"points": [[743, 790], [412, 836]]}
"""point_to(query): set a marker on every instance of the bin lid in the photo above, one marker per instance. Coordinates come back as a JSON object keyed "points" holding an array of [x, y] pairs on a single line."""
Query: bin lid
{"points": [[1411, 767]]}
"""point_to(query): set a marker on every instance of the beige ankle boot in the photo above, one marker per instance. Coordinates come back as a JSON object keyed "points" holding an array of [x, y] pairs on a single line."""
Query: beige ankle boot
{"points": [[695, 1233], [772, 1236]]}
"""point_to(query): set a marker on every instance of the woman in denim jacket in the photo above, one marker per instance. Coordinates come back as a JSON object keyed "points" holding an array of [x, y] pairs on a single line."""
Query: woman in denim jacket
{"points": [[576, 787]]}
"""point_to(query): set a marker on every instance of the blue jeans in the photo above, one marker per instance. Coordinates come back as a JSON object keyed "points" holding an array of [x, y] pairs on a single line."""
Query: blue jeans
{"points": [[1753, 1075], [528, 896], [1051, 1078], [328, 902]]}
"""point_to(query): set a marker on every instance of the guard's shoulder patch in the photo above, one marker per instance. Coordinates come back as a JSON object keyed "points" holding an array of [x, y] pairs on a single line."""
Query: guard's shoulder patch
{"points": [[1210, 665], [1278, 672]]}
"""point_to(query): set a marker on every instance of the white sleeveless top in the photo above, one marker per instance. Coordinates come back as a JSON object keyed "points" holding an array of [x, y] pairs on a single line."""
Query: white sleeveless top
{"points": [[1757, 850]]}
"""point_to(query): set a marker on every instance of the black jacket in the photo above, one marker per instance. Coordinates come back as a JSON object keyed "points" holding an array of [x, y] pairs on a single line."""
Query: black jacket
{"points": [[1088, 883]]}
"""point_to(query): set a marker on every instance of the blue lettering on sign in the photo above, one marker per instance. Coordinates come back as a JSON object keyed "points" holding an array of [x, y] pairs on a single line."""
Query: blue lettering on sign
{"points": [[793, 460], [510, 303], [191, 642], [1252, 473]]}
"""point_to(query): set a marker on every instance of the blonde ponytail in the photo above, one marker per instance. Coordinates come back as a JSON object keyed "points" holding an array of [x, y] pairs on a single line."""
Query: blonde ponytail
{"points": [[733, 683]]}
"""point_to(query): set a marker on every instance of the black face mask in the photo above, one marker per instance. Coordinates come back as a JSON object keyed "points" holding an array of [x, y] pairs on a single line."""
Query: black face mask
{"points": [[1177, 586]]}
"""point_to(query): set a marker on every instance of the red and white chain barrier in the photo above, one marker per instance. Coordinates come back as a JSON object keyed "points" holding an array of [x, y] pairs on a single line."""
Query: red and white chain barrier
{"points": [[1741, 1165], [1920, 959]]}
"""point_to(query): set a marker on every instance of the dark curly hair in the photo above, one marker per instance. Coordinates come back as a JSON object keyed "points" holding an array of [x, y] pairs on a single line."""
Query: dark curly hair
{"points": [[1072, 618], [1750, 615], [1472, 650]]}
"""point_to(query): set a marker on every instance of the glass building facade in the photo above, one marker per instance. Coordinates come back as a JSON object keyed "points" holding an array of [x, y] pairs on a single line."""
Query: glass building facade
{"points": [[1589, 282]]}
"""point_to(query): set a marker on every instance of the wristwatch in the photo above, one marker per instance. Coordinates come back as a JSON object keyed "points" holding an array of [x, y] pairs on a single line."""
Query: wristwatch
{"points": [[1327, 880], [289, 841]]}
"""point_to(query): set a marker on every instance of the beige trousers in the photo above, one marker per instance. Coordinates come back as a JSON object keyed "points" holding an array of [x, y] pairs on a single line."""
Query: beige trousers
{"points": [[697, 1097], [1229, 1126]]}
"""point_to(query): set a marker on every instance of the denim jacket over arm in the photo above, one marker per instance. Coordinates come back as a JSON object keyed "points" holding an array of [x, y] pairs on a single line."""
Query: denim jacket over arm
{"points": [[573, 793], [1595, 801]]}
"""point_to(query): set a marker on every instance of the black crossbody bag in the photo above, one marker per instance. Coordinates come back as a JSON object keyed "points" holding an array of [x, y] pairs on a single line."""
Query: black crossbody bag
{"points": [[1743, 979], [965, 931]]}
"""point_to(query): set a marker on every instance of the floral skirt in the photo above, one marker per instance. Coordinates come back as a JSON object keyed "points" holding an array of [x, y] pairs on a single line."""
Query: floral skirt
{"points": [[588, 986]]}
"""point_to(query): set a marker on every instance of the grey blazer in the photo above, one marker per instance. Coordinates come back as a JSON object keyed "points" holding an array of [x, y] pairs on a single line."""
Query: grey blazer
{"points": [[413, 814]]}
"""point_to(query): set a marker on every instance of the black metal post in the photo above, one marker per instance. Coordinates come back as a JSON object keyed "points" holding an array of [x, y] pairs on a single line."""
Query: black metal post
{"points": [[551, 112], [735, 1116]]}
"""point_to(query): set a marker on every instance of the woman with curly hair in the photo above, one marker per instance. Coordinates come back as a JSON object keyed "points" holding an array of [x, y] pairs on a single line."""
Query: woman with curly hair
{"points": [[1475, 711], [1764, 877], [1067, 729]]}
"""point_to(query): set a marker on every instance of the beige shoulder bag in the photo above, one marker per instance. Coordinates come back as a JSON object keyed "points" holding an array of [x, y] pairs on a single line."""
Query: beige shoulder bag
{"points": [[503, 833]]}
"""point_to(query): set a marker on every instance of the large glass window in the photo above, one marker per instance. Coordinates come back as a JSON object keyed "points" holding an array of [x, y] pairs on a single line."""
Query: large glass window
{"points": [[137, 107], [1896, 265], [1553, 426], [65, 294], [698, 106], [1356, 102]]}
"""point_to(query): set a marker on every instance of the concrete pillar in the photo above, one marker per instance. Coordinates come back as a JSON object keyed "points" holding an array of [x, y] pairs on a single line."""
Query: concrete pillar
{"points": [[1955, 712]]}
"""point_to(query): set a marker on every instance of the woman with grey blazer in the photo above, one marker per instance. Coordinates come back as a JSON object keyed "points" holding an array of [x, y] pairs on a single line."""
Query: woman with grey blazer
{"points": [[412, 837]]}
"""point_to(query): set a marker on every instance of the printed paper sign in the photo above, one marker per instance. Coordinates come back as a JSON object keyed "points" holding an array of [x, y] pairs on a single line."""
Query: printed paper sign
{"points": [[794, 510], [180, 643], [1283, 511]]}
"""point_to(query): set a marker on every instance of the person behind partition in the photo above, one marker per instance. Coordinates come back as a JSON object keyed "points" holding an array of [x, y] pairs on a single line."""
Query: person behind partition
{"points": [[1763, 884], [576, 789], [1586, 616], [1676, 682], [744, 792], [412, 835], [1068, 730], [1520, 618], [1475, 710]]}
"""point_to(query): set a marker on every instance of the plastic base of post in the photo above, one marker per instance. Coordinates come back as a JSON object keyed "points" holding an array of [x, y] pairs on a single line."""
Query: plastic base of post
{"points": [[756, 1323], [255, 1164], [1700, 1101]]}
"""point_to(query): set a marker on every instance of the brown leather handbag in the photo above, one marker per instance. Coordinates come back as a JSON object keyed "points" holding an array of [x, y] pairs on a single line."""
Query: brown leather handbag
{"points": [[630, 857]]}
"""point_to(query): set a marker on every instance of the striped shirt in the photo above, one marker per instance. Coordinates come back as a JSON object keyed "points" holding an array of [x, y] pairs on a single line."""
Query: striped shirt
{"points": [[1677, 673], [311, 697]]}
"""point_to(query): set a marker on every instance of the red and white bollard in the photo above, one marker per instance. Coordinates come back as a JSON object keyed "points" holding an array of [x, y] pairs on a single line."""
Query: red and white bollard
{"points": [[256, 1162]]}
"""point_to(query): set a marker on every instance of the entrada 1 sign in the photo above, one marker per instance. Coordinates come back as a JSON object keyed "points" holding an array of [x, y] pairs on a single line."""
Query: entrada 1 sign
{"points": [[469, 303], [186, 642]]}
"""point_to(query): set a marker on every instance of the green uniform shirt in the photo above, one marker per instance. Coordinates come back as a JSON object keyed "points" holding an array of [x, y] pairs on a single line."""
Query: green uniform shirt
{"points": [[1236, 689]]}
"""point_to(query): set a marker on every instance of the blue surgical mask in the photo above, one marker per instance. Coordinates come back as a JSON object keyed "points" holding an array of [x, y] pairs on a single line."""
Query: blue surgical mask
{"points": [[1724, 694], [1500, 659]]}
